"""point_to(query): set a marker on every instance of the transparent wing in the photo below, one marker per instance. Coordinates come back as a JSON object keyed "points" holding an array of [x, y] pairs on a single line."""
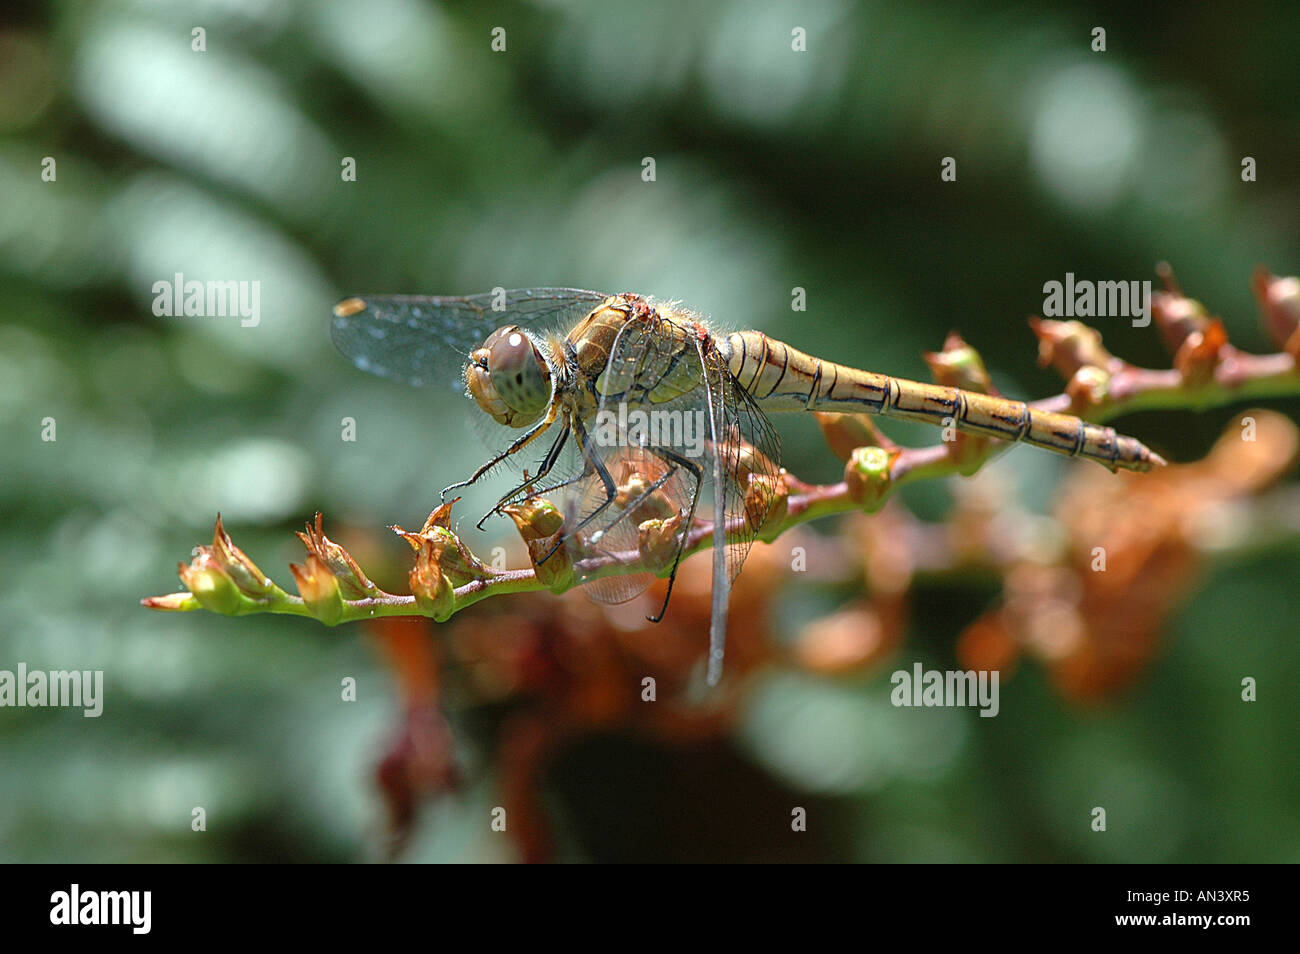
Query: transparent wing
{"points": [[648, 488], [655, 484], [687, 394], [426, 340], [750, 448], [658, 355], [744, 450]]}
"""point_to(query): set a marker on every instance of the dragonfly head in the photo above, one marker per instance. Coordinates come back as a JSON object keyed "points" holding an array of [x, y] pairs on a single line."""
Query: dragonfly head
{"points": [[509, 377]]}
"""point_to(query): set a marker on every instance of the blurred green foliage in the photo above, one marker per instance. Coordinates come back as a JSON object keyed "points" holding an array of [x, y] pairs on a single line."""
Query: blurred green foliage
{"points": [[478, 169]]}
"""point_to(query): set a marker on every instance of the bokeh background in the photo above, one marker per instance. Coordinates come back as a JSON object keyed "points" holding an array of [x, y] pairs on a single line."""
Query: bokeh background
{"points": [[475, 169]]}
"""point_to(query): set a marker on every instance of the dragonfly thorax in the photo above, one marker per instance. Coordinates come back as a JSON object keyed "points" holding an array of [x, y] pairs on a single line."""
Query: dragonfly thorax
{"points": [[509, 377]]}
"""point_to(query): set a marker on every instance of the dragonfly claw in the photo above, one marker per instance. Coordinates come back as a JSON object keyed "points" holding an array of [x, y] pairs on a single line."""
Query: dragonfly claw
{"points": [[495, 511]]}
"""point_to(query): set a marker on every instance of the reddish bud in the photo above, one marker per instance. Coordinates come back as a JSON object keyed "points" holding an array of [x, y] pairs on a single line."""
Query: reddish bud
{"points": [[172, 602], [845, 433], [959, 365], [539, 524], [433, 592], [1279, 303], [319, 588], [1177, 317], [1199, 354], [751, 461], [1068, 346], [353, 584], [1088, 388], [454, 558], [233, 561], [766, 501]]}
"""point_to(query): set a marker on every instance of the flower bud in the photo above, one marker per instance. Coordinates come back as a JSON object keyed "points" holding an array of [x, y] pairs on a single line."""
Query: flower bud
{"points": [[319, 588], [353, 584], [1088, 388], [633, 488], [233, 561], [1177, 317], [433, 592], [959, 365], [868, 475], [535, 519], [210, 584], [440, 517], [540, 524], [766, 501], [1199, 354], [172, 602], [845, 433], [658, 541], [1279, 302], [1068, 346], [750, 460], [454, 558]]}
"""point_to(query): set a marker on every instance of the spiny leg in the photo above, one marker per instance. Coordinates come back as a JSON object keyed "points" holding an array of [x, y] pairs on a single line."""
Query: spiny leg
{"points": [[641, 498], [589, 470], [548, 462], [694, 468], [542, 491], [515, 447], [611, 489]]}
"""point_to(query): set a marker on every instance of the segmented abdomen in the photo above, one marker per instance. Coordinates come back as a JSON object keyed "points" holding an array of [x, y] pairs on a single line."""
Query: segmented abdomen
{"points": [[782, 378]]}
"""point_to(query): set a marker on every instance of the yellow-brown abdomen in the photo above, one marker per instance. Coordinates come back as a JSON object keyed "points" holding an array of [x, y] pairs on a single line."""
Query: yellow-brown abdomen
{"points": [[782, 378]]}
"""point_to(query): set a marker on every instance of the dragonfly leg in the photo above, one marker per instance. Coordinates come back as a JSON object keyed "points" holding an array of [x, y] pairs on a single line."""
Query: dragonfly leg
{"points": [[694, 468], [611, 489], [542, 491], [632, 505], [522, 490], [522, 441]]}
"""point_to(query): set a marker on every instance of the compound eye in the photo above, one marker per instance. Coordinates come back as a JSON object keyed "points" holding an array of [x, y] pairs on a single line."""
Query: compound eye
{"points": [[519, 372]]}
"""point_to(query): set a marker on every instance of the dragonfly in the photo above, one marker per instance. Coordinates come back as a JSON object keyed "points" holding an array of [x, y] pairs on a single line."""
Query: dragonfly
{"points": [[650, 424]]}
